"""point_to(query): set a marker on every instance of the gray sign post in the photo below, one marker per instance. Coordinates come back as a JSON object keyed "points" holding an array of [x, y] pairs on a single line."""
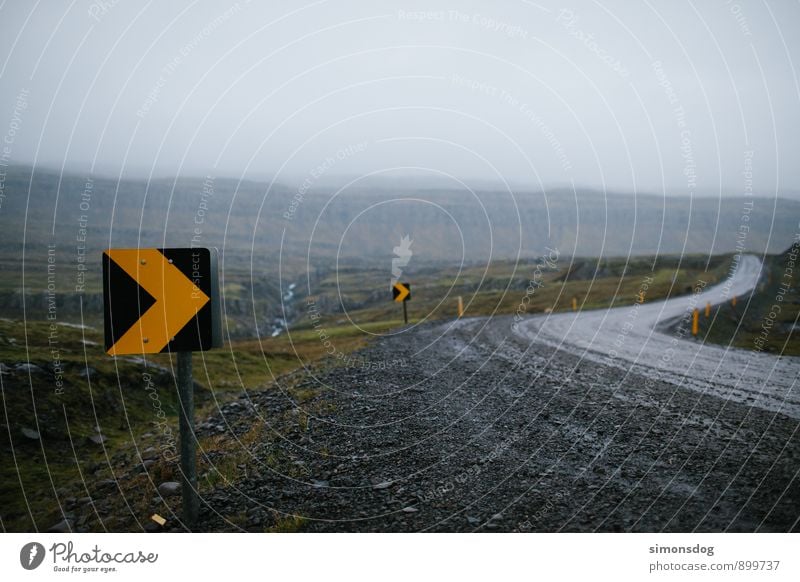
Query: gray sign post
{"points": [[188, 444]]}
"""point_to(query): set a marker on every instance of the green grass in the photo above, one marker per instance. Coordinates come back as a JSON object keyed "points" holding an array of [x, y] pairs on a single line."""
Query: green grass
{"points": [[53, 469], [751, 323]]}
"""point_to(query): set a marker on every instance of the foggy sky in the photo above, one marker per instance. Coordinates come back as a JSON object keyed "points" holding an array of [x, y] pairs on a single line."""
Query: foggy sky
{"points": [[658, 96]]}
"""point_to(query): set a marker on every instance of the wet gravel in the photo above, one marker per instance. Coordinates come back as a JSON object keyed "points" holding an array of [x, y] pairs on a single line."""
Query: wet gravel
{"points": [[467, 426], [654, 340]]}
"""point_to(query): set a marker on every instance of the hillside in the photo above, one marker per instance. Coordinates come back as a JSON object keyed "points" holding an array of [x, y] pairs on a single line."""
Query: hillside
{"points": [[445, 224], [273, 235]]}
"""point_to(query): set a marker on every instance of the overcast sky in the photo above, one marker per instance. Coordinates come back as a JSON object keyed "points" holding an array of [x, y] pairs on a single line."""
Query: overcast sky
{"points": [[653, 96]]}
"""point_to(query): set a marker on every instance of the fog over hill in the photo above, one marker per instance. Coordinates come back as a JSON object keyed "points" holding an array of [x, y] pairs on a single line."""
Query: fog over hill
{"points": [[367, 222]]}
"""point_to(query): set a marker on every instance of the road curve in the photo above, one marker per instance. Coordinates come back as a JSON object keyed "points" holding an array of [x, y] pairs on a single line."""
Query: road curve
{"points": [[654, 341], [481, 425]]}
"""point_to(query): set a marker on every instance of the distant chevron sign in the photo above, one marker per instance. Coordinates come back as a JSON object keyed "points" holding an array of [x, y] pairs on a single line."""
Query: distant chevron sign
{"points": [[160, 300], [401, 292]]}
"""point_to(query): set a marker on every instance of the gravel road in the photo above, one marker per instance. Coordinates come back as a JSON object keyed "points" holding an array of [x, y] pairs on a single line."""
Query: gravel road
{"points": [[489, 424], [647, 339]]}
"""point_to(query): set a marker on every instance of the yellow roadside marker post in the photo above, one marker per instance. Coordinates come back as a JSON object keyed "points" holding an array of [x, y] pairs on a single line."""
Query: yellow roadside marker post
{"points": [[460, 307], [695, 321], [574, 304], [708, 308]]}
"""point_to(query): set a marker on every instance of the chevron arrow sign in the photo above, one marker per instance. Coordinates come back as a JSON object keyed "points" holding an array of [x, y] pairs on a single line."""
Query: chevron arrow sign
{"points": [[160, 300], [401, 292]]}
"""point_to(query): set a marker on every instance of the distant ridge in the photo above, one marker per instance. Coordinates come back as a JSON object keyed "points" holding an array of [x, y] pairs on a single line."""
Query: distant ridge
{"points": [[366, 222]]}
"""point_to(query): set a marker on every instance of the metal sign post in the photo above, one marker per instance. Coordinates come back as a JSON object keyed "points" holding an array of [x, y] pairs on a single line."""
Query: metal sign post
{"points": [[188, 444]]}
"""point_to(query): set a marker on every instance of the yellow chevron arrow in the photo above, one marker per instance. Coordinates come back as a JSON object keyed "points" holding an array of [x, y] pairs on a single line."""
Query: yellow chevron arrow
{"points": [[177, 300], [402, 291]]}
